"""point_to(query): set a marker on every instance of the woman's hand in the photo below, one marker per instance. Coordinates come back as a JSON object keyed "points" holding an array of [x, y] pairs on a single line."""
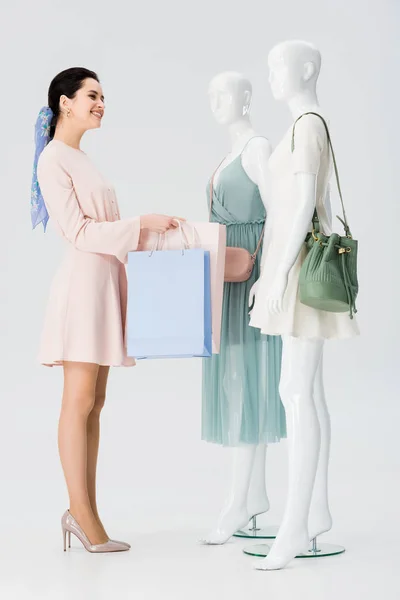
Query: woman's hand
{"points": [[159, 223]]}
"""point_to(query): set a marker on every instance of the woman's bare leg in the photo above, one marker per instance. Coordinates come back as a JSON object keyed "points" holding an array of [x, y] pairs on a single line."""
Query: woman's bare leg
{"points": [[93, 438], [77, 403]]}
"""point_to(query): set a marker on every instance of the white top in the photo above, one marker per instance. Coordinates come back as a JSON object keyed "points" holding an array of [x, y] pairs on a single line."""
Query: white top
{"points": [[311, 155]]}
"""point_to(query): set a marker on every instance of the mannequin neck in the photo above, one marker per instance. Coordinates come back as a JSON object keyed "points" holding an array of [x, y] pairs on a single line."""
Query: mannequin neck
{"points": [[304, 101], [240, 132]]}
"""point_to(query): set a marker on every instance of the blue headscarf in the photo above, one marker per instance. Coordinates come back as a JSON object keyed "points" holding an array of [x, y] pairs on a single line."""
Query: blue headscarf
{"points": [[39, 212]]}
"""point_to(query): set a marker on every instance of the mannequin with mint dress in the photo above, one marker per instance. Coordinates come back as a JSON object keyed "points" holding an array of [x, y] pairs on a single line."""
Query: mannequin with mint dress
{"points": [[241, 407], [240, 399]]}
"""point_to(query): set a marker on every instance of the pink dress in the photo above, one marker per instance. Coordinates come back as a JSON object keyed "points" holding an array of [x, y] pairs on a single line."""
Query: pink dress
{"points": [[85, 319]]}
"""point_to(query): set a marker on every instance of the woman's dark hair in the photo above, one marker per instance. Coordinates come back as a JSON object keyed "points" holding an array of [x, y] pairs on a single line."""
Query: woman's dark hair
{"points": [[66, 83]]}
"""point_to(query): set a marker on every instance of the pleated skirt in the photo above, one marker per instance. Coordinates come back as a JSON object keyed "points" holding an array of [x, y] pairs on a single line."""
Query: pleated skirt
{"points": [[240, 392]]}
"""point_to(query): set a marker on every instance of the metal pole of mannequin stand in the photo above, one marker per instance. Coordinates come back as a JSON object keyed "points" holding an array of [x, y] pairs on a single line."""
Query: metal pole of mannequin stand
{"points": [[314, 548], [261, 533], [254, 523]]}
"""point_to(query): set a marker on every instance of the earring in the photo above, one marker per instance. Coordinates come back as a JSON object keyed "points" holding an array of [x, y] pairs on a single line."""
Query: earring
{"points": [[68, 112]]}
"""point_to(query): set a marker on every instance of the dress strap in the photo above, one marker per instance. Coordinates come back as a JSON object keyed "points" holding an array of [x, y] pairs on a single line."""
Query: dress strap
{"points": [[249, 140], [215, 172], [212, 187], [254, 255]]}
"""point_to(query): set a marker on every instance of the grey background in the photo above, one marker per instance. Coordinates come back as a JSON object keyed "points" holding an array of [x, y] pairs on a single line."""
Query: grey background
{"points": [[160, 486]]}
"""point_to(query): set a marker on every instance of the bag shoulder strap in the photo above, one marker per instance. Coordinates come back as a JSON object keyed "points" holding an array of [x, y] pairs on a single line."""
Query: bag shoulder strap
{"points": [[315, 218], [254, 256]]}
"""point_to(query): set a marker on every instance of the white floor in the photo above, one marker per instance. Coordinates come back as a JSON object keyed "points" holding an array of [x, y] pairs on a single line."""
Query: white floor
{"points": [[162, 495], [171, 565]]}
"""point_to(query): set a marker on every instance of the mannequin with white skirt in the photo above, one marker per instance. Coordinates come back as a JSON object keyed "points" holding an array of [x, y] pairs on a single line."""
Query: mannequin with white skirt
{"points": [[299, 184]]}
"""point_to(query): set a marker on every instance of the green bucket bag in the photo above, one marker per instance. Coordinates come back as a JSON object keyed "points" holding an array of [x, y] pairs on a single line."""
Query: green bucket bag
{"points": [[328, 277]]}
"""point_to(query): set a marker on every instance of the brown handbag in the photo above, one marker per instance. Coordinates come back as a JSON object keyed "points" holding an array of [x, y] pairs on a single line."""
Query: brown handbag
{"points": [[239, 263]]}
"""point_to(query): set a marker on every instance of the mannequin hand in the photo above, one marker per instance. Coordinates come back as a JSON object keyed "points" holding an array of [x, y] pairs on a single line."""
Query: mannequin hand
{"points": [[159, 223], [276, 293], [253, 292]]}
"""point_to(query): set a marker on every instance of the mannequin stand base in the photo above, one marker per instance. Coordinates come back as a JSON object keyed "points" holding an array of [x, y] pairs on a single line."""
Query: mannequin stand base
{"points": [[254, 532], [316, 550]]}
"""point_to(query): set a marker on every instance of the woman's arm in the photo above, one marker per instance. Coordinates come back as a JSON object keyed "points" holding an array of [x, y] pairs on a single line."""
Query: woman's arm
{"points": [[116, 238]]}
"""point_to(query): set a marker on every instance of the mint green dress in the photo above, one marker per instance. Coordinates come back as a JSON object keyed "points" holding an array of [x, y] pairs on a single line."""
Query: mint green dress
{"points": [[240, 397]]}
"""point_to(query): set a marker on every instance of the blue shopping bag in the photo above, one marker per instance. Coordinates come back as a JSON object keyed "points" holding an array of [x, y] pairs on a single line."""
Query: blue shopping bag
{"points": [[169, 304]]}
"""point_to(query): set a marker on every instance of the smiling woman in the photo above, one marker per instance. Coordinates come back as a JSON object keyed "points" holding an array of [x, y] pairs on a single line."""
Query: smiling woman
{"points": [[77, 94], [84, 328]]}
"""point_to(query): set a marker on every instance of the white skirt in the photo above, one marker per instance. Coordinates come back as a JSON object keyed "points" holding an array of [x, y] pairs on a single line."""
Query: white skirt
{"points": [[297, 320]]}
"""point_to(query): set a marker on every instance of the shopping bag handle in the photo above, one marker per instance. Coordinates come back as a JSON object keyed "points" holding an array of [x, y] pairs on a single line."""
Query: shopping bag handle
{"points": [[184, 242], [192, 243]]}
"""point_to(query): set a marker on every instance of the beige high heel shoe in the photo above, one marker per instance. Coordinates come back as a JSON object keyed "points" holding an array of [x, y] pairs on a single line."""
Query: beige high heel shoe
{"points": [[70, 525]]}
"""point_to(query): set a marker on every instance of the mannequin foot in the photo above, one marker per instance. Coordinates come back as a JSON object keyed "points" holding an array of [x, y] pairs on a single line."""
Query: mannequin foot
{"points": [[319, 522], [230, 522], [287, 545]]}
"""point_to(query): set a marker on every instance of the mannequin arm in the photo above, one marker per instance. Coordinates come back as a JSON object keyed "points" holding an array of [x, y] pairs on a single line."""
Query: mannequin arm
{"points": [[262, 153], [297, 229], [310, 139], [255, 164]]}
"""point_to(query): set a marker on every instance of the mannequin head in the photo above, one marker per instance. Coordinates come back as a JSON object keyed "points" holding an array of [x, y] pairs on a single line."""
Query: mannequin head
{"points": [[230, 97], [294, 67]]}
